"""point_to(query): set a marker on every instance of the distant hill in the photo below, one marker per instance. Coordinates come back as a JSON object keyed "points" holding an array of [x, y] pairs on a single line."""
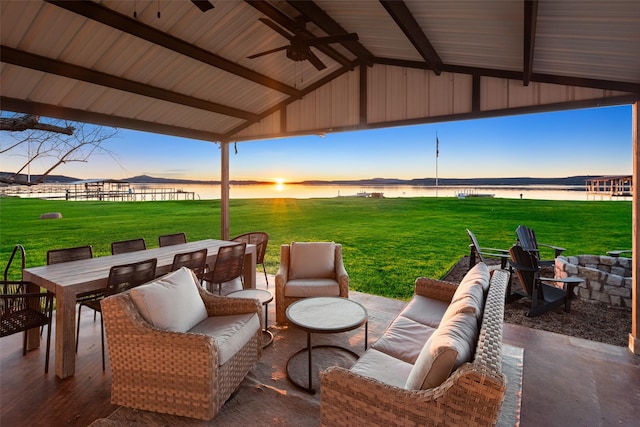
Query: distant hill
{"points": [[458, 182]]}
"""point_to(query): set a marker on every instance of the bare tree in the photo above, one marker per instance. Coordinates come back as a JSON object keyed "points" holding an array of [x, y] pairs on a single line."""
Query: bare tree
{"points": [[50, 142]]}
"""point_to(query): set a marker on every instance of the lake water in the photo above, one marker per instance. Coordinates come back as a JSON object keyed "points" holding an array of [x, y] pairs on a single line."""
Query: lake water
{"points": [[299, 191]]}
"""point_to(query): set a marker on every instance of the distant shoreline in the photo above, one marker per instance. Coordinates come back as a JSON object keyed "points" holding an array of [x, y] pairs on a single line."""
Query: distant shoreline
{"points": [[421, 182]]}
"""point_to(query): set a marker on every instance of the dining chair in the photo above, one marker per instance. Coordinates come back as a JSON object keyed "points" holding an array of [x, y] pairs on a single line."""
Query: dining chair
{"points": [[260, 239], [21, 310], [56, 256], [77, 253], [228, 266], [172, 239], [194, 260], [121, 278], [126, 246]]}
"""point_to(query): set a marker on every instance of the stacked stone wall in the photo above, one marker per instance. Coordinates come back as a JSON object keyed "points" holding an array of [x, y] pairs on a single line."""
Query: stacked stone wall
{"points": [[606, 279]]}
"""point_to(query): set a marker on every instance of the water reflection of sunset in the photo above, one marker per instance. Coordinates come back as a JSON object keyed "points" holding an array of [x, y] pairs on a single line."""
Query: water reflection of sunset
{"points": [[280, 184]]}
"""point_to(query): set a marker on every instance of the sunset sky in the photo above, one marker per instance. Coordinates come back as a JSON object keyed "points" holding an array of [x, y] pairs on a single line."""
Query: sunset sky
{"points": [[582, 142]]}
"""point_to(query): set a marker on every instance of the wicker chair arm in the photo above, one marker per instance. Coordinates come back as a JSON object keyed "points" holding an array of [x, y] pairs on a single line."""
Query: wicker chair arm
{"points": [[352, 399], [225, 306], [435, 289]]}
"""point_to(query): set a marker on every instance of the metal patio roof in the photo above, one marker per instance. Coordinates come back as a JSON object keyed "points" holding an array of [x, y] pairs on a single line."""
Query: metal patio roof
{"points": [[177, 70]]}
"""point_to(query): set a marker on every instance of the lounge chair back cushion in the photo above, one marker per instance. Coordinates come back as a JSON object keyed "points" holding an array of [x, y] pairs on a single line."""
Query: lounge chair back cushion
{"points": [[450, 346], [171, 302], [312, 260]]}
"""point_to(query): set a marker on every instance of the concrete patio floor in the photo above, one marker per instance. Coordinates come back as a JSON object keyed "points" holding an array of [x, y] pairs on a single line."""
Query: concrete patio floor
{"points": [[567, 381]]}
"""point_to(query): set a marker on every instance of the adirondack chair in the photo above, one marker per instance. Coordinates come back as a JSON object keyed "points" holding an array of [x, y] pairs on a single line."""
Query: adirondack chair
{"points": [[527, 240], [544, 296], [481, 252]]}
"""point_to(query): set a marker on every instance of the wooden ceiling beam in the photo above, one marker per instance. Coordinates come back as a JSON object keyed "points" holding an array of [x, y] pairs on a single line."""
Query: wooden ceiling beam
{"points": [[403, 17], [530, 20], [319, 17], [52, 66], [55, 111], [517, 75], [282, 19], [106, 16]]}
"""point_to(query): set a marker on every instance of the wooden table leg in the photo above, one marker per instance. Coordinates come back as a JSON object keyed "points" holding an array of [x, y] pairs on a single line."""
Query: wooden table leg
{"points": [[65, 334]]}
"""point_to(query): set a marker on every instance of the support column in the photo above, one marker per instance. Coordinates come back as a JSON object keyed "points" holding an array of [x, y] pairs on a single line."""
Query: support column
{"points": [[634, 336], [224, 190]]}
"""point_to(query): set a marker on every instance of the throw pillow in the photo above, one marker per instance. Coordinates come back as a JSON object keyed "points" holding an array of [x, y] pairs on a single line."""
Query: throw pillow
{"points": [[451, 345], [171, 302]]}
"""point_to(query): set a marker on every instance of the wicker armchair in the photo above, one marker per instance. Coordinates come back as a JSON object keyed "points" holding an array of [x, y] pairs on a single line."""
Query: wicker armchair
{"points": [[332, 279], [174, 372], [471, 396]]}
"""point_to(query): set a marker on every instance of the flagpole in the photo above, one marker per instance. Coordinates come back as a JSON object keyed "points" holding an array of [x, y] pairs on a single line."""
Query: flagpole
{"points": [[437, 153]]}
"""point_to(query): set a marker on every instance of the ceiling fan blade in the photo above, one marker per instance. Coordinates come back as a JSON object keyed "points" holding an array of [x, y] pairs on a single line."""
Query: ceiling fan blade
{"points": [[203, 5], [316, 61], [275, 27], [267, 52], [331, 39]]}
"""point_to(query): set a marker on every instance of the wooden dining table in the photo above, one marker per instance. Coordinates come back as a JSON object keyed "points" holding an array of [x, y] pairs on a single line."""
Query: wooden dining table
{"points": [[67, 280]]}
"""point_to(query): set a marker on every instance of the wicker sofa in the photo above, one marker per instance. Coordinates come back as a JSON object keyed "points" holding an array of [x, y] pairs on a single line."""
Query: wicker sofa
{"points": [[419, 372], [176, 348]]}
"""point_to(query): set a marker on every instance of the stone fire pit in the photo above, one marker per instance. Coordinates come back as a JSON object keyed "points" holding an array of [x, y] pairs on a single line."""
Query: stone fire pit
{"points": [[606, 279]]}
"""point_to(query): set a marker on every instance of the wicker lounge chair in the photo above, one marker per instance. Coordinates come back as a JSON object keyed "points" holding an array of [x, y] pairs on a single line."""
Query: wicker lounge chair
{"points": [[309, 269], [182, 370]]}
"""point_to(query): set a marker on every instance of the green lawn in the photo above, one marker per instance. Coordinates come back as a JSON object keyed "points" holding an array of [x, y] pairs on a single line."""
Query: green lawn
{"points": [[387, 243]]}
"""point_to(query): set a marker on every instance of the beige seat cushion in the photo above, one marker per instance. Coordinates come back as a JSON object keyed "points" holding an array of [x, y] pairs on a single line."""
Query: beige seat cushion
{"points": [[428, 311], [171, 302], [404, 339], [231, 332], [312, 260], [382, 367], [304, 288], [451, 345]]}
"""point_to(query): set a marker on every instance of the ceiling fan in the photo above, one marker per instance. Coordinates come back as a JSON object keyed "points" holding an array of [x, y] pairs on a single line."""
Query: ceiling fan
{"points": [[299, 47], [203, 5]]}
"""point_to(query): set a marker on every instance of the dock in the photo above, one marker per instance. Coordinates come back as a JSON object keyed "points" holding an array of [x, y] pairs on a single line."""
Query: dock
{"points": [[611, 186], [100, 190]]}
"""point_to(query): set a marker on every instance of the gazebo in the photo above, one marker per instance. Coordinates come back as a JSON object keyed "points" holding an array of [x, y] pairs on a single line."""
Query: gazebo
{"points": [[233, 71]]}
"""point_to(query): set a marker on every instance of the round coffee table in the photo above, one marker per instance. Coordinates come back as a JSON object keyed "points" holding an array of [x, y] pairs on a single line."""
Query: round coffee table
{"points": [[265, 298], [324, 315]]}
